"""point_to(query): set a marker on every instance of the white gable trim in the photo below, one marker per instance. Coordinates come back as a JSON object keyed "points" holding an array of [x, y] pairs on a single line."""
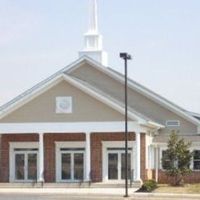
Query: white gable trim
{"points": [[24, 98], [30, 96], [27, 98], [39, 86], [142, 90]]}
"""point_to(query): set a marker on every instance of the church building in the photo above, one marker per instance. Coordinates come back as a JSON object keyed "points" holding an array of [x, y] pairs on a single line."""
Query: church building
{"points": [[69, 128]]}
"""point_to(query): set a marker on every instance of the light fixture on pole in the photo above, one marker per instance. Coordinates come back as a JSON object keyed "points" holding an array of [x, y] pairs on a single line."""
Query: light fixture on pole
{"points": [[126, 57]]}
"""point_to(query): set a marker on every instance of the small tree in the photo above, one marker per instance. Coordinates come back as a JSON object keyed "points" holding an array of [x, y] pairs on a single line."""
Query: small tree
{"points": [[176, 159]]}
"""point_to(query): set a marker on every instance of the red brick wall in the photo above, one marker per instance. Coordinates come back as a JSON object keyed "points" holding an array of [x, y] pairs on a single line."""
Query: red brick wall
{"points": [[143, 157], [49, 151], [194, 177], [5, 139]]}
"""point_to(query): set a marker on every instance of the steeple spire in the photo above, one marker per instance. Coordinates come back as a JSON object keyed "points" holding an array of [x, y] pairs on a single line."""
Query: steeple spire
{"points": [[93, 40], [93, 20]]}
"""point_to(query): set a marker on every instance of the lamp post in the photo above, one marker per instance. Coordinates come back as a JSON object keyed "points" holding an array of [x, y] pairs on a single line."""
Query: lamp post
{"points": [[126, 57]]}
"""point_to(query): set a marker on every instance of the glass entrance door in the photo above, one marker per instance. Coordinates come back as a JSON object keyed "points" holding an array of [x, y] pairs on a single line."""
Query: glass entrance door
{"points": [[72, 166], [20, 166], [123, 165], [32, 166], [25, 166], [78, 166], [66, 166], [113, 166], [116, 165]]}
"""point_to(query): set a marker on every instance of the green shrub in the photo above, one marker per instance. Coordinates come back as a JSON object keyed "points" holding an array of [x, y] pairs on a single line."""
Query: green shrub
{"points": [[148, 186]]}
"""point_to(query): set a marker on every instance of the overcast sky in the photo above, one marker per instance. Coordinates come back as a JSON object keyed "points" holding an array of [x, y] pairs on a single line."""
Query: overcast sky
{"points": [[39, 37]]}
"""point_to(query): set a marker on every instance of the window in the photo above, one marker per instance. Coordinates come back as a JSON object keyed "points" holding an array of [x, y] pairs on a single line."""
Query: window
{"points": [[165, 159], [172, 123], [196, 160]]}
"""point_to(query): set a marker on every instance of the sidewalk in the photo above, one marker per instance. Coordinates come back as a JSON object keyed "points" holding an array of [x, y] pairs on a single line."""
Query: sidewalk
{"points": [[75, 191]]}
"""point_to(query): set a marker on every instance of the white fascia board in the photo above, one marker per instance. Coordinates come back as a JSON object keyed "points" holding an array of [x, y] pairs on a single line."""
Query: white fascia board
{"points": [[77, 63], [85, 59], [144, 91], [73, 127], [154, 124], [25, 99]]}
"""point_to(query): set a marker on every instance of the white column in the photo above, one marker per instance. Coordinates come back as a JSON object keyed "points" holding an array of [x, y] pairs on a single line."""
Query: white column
{"points": [[41, 158], [134, 160], [156, 163], [87, 157], [138, 160]]}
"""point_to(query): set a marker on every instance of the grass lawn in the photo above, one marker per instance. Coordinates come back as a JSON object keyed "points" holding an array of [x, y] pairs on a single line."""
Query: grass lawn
{"points": [[188, 188]]}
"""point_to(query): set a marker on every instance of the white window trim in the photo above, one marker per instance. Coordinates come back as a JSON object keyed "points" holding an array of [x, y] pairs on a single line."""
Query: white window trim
{"points": [[161, 149], [114, 144], [59, 145], [21, 145], [193, 148], [192, 163]]}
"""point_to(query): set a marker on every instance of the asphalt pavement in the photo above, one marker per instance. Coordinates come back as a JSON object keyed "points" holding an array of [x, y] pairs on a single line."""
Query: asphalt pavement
{"points": [[88, 197]]}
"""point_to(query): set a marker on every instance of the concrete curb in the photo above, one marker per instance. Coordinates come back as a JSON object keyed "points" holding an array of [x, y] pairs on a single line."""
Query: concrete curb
{"points": [[167, 195]]}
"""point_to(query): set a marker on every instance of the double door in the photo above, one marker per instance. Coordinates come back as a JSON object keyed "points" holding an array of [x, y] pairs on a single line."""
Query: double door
{"points": [[116, 165], [25, 166], [72, 166]]}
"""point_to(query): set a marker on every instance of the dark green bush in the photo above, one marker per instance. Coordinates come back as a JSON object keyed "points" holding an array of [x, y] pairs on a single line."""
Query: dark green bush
{"points": [[148, 186]]}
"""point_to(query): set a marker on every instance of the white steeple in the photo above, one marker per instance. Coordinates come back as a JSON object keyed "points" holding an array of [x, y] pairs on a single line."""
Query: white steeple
{"points": [[93, 40], [93, 18]]}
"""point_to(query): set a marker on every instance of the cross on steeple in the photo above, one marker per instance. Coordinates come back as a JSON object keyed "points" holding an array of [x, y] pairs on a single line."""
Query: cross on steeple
{"points": [[93, 40]]}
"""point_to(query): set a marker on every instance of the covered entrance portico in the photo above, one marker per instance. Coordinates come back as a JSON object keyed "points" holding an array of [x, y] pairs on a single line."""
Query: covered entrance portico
{"points": [[73, 159]]}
